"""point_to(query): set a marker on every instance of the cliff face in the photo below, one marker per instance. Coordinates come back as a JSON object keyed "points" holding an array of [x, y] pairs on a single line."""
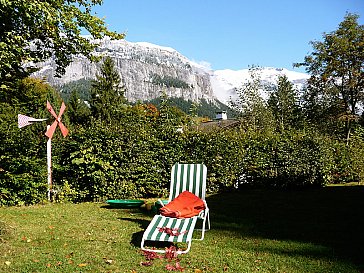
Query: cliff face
{"points": [[146, 70]]}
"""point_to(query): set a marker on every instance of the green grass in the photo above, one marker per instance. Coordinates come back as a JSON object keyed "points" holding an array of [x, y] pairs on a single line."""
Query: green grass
{"points": [[317, 230]]}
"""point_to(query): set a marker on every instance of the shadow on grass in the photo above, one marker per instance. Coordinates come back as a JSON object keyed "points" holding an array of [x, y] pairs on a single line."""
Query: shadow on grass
{"points": [[330, 217]]}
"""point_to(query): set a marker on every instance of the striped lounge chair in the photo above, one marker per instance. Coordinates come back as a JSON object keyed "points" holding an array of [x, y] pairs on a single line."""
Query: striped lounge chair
{"points": [[184, 177]]}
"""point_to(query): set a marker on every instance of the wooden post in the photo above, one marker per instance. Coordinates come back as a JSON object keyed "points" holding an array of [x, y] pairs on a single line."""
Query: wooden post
{"points": [[49, 166]]}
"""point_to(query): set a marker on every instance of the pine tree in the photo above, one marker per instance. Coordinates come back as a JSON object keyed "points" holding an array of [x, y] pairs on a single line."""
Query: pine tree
{"points": [[78, 110], [107, 93]]}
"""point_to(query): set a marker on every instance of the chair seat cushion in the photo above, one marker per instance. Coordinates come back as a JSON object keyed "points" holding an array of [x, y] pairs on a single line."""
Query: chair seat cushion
{"points": [[185, 205]]}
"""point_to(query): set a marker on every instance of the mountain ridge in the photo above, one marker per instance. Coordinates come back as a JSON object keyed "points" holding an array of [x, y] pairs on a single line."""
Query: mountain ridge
{"points": [[148, 70]]}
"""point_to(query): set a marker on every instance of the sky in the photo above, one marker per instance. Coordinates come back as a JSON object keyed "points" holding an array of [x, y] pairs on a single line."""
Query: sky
{"points": [[230, 34]]}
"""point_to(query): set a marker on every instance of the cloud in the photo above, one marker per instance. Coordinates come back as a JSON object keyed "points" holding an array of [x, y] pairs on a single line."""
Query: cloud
{"points": [[205, 64]]}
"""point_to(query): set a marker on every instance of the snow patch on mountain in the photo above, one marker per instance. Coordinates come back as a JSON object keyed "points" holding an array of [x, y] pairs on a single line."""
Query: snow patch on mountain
{"points": [[225, 82]]}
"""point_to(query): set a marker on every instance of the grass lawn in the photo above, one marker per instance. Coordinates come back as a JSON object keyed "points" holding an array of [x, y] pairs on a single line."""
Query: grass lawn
{"points": [[317, 230]]}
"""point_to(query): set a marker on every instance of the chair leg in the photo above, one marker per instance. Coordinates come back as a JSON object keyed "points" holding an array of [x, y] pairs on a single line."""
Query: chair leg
{"points": [[202, 229]]}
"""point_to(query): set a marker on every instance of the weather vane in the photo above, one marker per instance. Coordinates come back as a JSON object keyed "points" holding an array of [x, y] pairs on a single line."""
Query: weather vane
{"points": [[25, 120]]}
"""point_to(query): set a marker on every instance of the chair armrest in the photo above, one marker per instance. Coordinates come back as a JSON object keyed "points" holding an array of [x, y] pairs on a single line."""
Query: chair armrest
{"points": [[205, 211]]}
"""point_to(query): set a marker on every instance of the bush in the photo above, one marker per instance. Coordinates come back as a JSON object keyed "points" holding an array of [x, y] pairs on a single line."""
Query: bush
{"points": [[23, 169], [287, 160]]}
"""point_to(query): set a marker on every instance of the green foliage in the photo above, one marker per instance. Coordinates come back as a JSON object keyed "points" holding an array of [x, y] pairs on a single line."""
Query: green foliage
{"points": [[82, 87], [252, 108], [336, 66], [107, 94], [283, 103], [292, 159], [223, 152], [203, 109], [117, 160], [357, 153], [33, 31], [23, 169], [321, 110], [79, 112], [169, 81]]}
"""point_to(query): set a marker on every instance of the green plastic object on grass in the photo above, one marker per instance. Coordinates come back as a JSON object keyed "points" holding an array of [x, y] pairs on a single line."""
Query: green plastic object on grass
{"points": [[157, 206], [125, 203]]}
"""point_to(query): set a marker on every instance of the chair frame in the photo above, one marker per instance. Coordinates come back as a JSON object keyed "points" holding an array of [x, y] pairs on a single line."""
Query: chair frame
{"points": [[185, 177]]}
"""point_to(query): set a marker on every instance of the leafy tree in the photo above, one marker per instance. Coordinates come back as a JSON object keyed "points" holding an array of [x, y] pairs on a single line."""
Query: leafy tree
{"points": [[250, 105], [321, 111], [283, 103], [33, 31], [107, 94], [336, 66]]}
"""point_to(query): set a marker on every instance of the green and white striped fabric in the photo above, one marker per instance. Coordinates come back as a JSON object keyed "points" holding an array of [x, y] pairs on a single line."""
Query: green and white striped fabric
{"points": [[183, 228], [188, 177], [184, 177]]}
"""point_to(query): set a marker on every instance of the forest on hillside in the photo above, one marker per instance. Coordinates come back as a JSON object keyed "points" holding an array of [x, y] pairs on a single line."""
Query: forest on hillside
{"points": [[116, 149]]}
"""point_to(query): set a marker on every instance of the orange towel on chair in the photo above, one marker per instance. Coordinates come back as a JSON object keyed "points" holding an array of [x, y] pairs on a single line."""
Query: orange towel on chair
{"points": [[185, 205]]}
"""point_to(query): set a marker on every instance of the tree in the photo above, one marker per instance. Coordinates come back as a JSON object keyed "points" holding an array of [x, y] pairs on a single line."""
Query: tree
{"points": [[107, 94], [77, 109], [250, 105], [336, 66], [33, 31], [283, 104]]}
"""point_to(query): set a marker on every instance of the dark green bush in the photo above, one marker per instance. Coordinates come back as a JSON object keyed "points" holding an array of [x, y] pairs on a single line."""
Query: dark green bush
{"points": [[287, 160]]}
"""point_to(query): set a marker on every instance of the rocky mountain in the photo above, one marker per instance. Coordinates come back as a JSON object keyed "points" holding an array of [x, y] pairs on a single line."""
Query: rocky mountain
{"points": [[148, 70]]}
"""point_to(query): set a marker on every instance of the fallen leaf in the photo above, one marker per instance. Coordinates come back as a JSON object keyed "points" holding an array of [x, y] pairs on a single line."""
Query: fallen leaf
{"points": [[8, 263], [68, 256], [179, 267], [150, 255], [148, 263], [49, 265], [82, 265], [198, 270], [170, 267]]}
